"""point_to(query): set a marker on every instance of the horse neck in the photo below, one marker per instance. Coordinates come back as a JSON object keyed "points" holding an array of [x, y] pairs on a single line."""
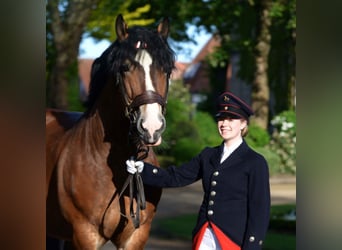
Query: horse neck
{"points": [[90, 129], [109, 112]]}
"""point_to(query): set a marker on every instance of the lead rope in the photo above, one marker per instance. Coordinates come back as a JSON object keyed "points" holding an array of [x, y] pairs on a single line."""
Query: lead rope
{"points": [[134, 181]]}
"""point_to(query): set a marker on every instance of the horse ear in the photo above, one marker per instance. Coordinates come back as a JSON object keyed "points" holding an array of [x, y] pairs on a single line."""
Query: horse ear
{"points": [[121, 28], [163, 28]]}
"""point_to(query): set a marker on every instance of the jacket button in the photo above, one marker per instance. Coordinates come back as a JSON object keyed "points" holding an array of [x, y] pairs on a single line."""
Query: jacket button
{"points": [[216, 173], [210, 212], [155, 170], [213, 183], [211, 202], [251, 239], [212, 193], [260, 242]]}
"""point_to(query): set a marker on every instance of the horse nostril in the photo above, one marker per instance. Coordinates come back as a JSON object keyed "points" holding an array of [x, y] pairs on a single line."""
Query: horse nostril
{"points": [[141, 125], [163, 124]]}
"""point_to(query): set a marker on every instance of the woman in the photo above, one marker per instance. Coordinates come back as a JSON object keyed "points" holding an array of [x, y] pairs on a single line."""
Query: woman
{"points": [[234, 213]]}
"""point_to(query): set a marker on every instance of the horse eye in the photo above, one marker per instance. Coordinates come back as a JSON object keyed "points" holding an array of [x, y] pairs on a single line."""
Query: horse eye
{"points": [[124, 68]]}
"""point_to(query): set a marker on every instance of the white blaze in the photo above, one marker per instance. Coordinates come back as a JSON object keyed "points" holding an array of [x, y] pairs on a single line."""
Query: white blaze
{"points": [[145, 60], [151, 113]]}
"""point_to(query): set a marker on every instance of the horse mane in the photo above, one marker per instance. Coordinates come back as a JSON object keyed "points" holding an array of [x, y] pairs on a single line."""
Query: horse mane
{"points": [[110, 63]]}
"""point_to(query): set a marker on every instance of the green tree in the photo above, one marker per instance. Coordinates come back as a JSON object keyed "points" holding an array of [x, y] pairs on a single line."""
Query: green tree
{"points": [[188, 131], [178, 113], [246, 27], [65, 26], [260, 90], [284, 140], [282, 59], [101, 22]]}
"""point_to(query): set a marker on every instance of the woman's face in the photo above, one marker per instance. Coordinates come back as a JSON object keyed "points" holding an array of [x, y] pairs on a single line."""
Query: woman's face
{"points": [[230, 129]]}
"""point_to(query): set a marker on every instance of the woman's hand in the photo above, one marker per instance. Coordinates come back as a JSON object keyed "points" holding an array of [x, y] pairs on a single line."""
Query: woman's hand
{"points": [[134, 166]]}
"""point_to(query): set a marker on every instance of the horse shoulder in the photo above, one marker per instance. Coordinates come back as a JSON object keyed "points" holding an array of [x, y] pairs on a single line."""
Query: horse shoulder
{"points": [[57, 122]]}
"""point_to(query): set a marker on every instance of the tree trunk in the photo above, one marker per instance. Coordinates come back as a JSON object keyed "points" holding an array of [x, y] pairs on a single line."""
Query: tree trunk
{"points": [[67, 26], [58, 88], [260, 90], [59, 79], [292, 101]]}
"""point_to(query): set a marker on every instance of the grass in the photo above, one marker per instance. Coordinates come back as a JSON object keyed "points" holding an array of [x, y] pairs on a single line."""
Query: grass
{"points": [[179, 227], [279, 241], [278, 210], [280, 236]]}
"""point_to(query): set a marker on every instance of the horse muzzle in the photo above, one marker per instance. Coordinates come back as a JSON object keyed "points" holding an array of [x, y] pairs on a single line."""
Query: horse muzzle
{"points": [[150, 126], [146, 112]]}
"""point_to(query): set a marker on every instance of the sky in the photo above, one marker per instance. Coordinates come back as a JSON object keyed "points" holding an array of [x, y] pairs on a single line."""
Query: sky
{"points": [[89, 48]]}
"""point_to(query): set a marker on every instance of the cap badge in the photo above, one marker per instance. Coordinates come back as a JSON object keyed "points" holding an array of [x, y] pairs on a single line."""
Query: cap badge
{"points": [[226, 98], [226, 108]]}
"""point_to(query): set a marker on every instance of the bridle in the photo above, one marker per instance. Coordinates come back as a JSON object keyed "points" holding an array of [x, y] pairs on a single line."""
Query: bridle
{"points": [[147, 97]]}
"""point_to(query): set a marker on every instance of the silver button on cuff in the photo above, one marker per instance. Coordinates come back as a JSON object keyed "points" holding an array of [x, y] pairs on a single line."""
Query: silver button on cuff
{"points": [[155, 170], [260, 242], [251, 239], [210, 212], [216, 173]]}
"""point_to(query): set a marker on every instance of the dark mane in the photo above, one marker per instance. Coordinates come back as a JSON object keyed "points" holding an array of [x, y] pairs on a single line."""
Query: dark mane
{"points": [[109, 64]]}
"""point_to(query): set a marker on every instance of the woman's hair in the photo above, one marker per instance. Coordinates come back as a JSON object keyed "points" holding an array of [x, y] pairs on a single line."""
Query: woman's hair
{"points": [[244, 131]]}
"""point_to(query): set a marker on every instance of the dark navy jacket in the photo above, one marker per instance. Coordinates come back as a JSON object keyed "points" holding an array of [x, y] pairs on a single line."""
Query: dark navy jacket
{"points": [[236, 192]]}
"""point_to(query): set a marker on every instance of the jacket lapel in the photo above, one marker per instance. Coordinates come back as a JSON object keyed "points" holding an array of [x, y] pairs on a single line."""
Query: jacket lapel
{"points": [[236, 156], [216, 156]]}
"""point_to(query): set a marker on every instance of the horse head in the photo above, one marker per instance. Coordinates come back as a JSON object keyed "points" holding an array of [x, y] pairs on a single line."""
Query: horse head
{"points": [[141, 62]]}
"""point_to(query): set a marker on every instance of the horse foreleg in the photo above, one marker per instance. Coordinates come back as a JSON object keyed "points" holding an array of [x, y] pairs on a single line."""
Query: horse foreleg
{"points": [[86, 237], [139, 238]]}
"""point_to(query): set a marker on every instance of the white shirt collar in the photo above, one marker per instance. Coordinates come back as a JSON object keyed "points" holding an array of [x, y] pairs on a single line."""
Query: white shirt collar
{"points": [[227, 151]]}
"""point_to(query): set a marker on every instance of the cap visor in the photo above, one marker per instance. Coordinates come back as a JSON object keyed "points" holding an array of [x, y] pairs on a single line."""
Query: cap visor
{"points": [[228, 115]]}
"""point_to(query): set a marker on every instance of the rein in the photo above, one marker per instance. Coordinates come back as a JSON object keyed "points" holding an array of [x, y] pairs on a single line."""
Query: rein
{"points": [[135, 183]]}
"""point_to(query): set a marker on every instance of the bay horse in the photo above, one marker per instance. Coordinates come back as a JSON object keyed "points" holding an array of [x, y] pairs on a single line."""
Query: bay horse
{"points": [[88, 203]]}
